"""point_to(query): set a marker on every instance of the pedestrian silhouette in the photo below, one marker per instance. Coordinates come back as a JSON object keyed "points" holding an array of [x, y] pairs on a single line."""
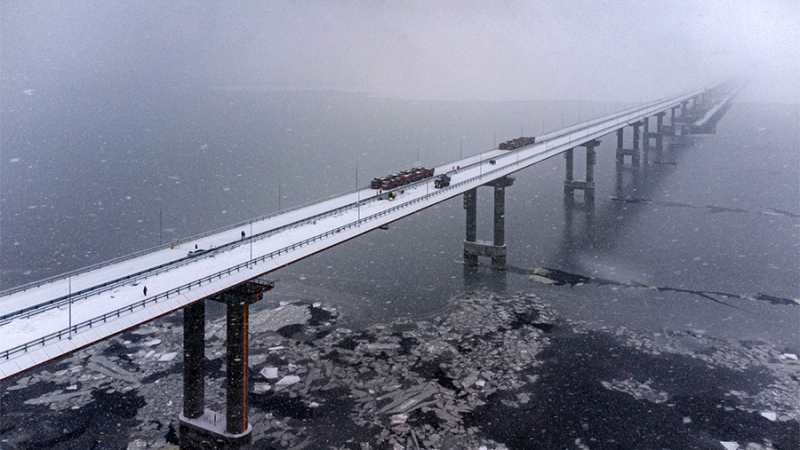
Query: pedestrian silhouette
{"points": [[242, 234], [145, 290]]}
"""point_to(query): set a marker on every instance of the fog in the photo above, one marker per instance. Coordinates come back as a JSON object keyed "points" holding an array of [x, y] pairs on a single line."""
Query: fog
{"points": [[453, 50]]}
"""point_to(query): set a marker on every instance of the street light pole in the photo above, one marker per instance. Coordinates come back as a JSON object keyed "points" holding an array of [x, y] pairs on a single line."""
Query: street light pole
{"points": [[70, 307], [251, 243]]}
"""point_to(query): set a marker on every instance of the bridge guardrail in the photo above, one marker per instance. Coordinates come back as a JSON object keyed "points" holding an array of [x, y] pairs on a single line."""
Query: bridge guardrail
{"points": [[136, 254], [118, 282]]}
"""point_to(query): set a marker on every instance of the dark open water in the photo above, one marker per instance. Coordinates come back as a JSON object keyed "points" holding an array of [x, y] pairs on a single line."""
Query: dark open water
{"points": [[85, 176]]}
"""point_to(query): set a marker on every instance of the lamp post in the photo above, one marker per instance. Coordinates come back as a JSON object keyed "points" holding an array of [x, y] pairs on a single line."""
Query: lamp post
{"points": [[251, 243], [70, 307]]}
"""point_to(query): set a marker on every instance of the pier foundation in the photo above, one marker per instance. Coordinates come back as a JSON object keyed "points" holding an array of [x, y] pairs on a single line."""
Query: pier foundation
{"points": [[194, 322], [622, 152], [587, 186], [201, 428], [659, 134], [473, 247]]}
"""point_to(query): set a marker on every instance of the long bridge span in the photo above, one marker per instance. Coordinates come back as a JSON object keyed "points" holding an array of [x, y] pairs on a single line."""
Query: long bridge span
{"points": [[45, 320]]}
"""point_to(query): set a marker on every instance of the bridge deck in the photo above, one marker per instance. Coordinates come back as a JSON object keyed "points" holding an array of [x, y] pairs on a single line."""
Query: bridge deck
{"points": [[43, 322]]}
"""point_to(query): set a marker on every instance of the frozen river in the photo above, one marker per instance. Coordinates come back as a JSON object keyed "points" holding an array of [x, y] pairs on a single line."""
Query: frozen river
{"points": [[696, 254]]}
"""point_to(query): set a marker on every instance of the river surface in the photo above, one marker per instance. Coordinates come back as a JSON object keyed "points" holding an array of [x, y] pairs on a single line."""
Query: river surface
{"points": [[704, 237]]}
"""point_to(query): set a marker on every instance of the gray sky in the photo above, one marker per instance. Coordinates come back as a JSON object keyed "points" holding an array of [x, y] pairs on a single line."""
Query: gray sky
{"points": [[613, 50]]}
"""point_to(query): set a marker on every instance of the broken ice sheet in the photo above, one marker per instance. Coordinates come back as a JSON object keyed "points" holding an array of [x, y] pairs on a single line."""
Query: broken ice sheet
{"points": [[770, 415], [287, 380], [269, 372], [729, 445], [260, 388], [168, 356], [399, 418]]}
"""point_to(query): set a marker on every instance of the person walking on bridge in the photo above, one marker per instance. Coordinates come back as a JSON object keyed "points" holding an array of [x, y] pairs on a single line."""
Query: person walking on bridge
{"points": [[145, 291]]}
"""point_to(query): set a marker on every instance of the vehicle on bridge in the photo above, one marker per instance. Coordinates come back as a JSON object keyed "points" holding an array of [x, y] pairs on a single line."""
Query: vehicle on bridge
{"points": [[400, 179], [441, 181], [517, 143]]}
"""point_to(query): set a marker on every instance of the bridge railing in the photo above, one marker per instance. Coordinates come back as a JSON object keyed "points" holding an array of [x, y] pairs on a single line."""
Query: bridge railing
{"points": [[136, 254], [128, 309], [144, 274]]}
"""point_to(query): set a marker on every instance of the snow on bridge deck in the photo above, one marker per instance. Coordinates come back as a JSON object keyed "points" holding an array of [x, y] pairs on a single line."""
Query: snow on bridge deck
{"points": [[46, 320]]}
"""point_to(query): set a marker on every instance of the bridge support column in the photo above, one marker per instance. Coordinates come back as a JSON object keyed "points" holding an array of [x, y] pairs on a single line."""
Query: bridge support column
{"points": [[473, 248], [203, 428], [471, 206], [194, 321], [646, 141], [570, 185], [647, 135], [236, 383], [659, 134], [622, 152], [569, 156], [499, 259]]}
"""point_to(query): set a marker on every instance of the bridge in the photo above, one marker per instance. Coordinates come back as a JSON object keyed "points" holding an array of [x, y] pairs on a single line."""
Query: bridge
{"points": [[45, 320]]}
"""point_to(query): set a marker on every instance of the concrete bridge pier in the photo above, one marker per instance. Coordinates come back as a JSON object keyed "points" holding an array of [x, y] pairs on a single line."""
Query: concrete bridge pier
{"points": [[627, 172], [473, 247], [471, 206], [201, 428], [620, 146], [669, 130], [700, 101], [646, 141], [194, 322], [636, 135], [659, 134], [570, 185], [622, 152]]}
